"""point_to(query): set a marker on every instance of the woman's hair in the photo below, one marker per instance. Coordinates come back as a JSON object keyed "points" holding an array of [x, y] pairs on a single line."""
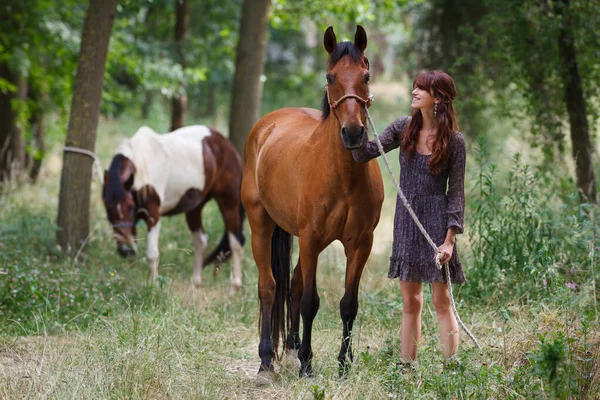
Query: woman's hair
{"points": [[440, 85]]}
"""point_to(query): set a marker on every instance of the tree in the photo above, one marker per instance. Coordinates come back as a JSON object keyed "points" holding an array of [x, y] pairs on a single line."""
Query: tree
{"points": [[576, 106], [74, 197], [179, 102], [12, 143], [38, 46], [533, 61], [249, 64]]}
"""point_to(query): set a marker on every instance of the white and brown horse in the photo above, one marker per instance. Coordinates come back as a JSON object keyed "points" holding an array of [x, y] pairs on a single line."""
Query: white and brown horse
{"points": [[154, 175]]}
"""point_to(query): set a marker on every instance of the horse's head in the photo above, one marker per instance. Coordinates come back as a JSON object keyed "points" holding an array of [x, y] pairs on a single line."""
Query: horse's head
{"points": [[120, 204], [347, 86]]}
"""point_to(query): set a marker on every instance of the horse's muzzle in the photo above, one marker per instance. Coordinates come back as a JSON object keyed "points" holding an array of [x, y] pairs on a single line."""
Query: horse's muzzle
{"points": [[125, 250], [353, 138]]}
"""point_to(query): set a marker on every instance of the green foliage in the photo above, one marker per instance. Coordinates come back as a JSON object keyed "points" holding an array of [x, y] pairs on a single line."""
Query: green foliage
{"points": [[524, 245], [42, 293], [39, 41], [318, 392], [504, 55], [549, 364], [290, 13]]}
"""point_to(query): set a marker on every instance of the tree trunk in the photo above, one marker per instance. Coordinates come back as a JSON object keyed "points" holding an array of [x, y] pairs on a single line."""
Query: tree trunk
{"points": [[74, 197], [38, 103], [249, 64], [576, 107], [179, 102], [12, 142], [37, 156], [210, 100], [151, 25], [146, 104]]}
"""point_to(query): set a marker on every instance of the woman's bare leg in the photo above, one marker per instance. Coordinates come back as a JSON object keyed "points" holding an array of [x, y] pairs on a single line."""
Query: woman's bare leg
{"points": [[412, 300], [449, 333]]}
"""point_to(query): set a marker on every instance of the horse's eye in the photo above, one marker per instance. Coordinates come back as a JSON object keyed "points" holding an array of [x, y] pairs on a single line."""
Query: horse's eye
{"points": [[367, 78], [329, 78]]}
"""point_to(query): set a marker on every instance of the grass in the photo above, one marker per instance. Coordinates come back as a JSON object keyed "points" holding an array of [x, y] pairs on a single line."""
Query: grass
{"points": [[93, 328]]}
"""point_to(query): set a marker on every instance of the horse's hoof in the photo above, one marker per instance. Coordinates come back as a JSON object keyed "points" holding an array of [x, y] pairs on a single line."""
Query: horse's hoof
{"points": [[265, 378], [343, 371], [306, 371], [234, 289], [290, 360], [197, 283]]}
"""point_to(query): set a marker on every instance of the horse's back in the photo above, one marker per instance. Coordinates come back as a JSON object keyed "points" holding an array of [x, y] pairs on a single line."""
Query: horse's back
{"points": [[175, 162], [288, 125]]}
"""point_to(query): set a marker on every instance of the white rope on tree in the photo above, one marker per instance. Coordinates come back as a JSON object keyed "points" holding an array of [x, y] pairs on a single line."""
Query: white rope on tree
{"points": [[97, 171], [423, 231]]}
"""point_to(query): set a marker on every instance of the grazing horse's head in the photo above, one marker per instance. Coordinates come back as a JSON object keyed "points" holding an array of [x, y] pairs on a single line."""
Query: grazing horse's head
{"points": [[120, 204], [347, 86]]}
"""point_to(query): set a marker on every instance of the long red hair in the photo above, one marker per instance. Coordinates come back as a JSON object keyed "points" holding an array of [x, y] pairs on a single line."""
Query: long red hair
{"points": [[441, 86]]}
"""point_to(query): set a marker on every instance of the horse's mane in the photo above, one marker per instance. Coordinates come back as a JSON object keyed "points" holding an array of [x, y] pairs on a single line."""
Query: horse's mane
{"points": [[114, 191], [342, 49]]}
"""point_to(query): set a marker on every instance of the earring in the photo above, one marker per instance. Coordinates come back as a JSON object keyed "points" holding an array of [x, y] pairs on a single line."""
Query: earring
{"points": [[435, 107]]}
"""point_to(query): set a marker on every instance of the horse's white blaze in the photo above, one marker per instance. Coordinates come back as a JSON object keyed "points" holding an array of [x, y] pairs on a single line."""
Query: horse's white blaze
{"points": [[152, 250], [237, 252], [171, 163], [200, 239]]}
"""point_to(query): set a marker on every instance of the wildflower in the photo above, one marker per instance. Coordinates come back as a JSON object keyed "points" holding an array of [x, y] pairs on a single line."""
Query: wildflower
{"points": [[571, 285], [544, 282]]}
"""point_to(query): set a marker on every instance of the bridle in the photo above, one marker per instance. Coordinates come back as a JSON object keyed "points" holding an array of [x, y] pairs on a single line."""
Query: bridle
{"points": [[333, 105], [126, 224], [134, 212]]}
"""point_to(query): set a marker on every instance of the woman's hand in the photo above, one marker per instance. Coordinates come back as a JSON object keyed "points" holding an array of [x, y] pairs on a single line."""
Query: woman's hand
{"points": [[448, 247], [446, 252]]}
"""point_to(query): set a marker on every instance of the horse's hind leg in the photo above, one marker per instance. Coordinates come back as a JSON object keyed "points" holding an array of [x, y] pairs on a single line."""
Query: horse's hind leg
{"points": [[292, 343], [262, 231], [356, 260], [200, 240], [232, 212]]}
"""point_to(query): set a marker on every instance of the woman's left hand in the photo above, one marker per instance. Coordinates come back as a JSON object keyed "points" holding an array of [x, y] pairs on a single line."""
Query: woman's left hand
{"points": [[445, 252]]}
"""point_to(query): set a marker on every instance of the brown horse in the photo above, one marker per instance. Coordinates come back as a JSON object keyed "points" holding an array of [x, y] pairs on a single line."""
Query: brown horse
{"points": [[300, 179], [155, 175]]}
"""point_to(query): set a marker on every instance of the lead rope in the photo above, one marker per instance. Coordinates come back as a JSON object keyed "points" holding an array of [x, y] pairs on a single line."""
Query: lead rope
{"points": [[423, 231], [97, 165]]}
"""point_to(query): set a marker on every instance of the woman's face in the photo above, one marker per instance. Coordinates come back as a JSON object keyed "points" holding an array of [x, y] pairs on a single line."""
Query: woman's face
{"points": [[422, 99]]}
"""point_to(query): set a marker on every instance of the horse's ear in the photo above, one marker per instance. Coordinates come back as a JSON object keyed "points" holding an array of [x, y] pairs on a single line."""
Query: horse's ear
{"points": [[329, 40], [360, 38], [127, 174], [128, 183]]}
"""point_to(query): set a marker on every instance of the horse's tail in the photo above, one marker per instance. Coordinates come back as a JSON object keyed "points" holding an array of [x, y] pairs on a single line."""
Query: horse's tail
{"points": [[223, 250], [281, 256]]}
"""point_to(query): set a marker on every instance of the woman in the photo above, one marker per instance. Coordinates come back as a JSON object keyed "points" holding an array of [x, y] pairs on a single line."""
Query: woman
{"points": [[432, 160]]}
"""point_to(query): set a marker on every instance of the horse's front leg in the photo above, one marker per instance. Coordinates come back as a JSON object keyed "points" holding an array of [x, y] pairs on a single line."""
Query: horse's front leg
{"points": [[152, 252], [200, 240], [357, 254], [309, 303]]}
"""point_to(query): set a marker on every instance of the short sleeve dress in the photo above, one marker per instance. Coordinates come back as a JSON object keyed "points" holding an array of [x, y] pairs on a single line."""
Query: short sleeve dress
{"points": [[438, 201]]}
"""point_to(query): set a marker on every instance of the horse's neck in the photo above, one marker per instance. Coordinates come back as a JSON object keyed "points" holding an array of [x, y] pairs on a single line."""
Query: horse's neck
{"points": [[329, 142], [145, 150]]}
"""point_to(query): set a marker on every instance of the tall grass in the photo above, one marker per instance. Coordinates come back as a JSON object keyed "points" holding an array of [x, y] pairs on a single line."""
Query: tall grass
{"points": [[527, 240], [94, 328]]}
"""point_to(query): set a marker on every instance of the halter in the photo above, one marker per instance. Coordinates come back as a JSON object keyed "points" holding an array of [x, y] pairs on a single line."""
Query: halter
{"points": [[126, 224], [136, 210], [365, 102]]}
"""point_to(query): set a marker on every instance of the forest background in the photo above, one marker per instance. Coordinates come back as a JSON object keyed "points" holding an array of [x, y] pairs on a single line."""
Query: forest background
{"points": [[78, 321]]}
